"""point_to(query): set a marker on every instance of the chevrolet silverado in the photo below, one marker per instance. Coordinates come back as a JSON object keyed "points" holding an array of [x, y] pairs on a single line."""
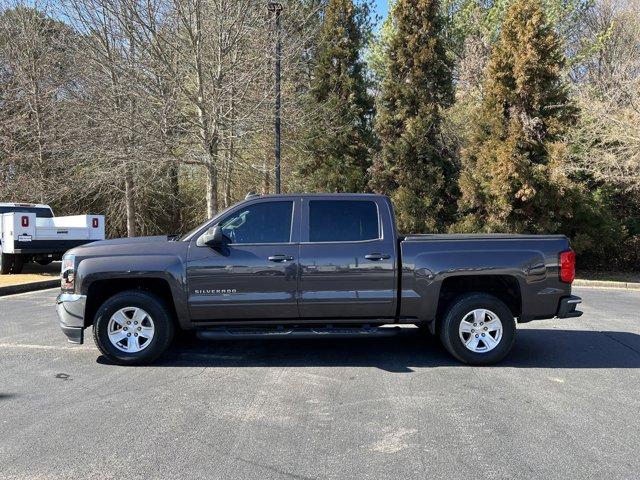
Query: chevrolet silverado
{"points": [[313, 265]]}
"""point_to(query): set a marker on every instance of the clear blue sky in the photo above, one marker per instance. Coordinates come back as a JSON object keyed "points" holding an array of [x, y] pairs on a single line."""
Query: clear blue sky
{"points": [[382, 7]]}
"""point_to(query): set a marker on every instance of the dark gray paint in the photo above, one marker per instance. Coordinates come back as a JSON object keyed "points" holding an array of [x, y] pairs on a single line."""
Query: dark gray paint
{"points": [[240, 282], [135, 258], [429, 260], [236, 282], [338, 281], [322, 281]]}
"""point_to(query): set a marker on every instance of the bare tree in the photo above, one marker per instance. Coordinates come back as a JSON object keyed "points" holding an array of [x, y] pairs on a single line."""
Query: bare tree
{"points": [[36, 75], [108, 98], [160, 101], [606, 142]]}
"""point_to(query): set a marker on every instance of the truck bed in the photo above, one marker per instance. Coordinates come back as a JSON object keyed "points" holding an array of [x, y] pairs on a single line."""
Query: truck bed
{"points": [[24, 233], [528, 263]]}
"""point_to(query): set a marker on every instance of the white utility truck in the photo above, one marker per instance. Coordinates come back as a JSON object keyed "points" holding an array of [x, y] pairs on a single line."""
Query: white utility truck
{"points": [[30, 233]]}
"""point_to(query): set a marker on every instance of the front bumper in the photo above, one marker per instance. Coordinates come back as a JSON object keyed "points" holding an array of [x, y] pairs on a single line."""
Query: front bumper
{"points": [[70, 308], [567, 308]]}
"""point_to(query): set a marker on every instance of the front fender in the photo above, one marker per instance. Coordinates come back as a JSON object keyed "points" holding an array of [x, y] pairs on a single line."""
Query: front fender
{"points": [[169, 268]]}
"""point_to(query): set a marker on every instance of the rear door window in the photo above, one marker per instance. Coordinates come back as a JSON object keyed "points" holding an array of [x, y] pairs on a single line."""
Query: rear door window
{"points": [[343, 221], [40, 212]]}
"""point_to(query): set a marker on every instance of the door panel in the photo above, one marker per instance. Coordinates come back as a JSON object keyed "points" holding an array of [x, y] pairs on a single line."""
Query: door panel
{"points": [[337, 281], [254, 275], [240, 282], [346, 279]]}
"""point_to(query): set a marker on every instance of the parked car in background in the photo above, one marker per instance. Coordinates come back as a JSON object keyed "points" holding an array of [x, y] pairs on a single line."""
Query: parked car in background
{"points": [[31, 233], [313, 265]]}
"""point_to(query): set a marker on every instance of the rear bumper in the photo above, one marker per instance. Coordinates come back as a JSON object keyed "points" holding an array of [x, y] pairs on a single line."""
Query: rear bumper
{"points": [[567, 307], [55, 247], [70, 308]]}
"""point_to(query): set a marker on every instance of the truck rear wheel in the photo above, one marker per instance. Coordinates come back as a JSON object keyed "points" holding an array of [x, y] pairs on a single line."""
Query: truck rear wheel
{"points": [[6, 262], [18, 263], [133, 328], [478, 329]]}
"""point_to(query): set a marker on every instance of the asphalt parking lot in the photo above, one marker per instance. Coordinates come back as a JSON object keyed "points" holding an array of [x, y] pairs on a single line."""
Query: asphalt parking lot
{"points": [[565, 404]]}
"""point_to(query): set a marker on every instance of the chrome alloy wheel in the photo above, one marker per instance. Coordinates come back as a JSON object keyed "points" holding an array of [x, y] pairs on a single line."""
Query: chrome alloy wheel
{"points": [[130, 329], [480, 330]]}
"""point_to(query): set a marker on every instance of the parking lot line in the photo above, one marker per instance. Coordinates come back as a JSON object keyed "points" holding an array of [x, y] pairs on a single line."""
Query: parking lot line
{"points": [[44, 347]]}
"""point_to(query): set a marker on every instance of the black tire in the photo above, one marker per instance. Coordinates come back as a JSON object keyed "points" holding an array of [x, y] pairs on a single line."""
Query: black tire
{"points": [[163, 327], [6, 262], [458, 310], [18, 263]]}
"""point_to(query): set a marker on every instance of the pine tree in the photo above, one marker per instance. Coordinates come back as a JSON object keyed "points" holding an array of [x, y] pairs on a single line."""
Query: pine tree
{"points": [[415, 166], [376, 51], [510, 179], [340, 137]]}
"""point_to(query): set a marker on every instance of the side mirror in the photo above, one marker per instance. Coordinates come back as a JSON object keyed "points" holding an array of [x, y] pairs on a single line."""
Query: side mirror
{"points": [[212, 238]]}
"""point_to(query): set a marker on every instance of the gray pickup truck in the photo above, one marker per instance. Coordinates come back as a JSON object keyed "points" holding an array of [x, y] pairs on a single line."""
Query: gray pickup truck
{"points": [[307, 265]]}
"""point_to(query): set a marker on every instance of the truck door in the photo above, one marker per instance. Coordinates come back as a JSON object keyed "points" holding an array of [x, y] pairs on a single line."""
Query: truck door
{"points": [[254, 275], [347, 259]]}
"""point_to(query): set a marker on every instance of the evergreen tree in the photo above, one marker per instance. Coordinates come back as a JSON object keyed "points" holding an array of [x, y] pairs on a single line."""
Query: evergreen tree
{"points": [[510, 179], [340, 136], [376, 51], [415, 166]]}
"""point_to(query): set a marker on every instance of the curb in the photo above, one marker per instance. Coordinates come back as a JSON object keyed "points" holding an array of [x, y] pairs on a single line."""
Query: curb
{"points": [[28, 287], [606, 284]]}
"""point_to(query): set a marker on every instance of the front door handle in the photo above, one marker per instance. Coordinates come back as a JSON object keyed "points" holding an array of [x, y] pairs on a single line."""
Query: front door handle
{"points": [[280, 258], [377, 256]]}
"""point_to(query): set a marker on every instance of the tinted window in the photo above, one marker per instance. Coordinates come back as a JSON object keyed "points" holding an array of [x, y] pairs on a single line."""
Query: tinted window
{"points": [[267, 222], [342, 221], [40, 212]]}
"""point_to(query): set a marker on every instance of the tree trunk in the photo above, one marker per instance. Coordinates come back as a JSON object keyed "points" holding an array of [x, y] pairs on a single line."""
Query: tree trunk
{"points": [[212, 188], [227, 184], [228, 168], [265, 180], [230, 146], [176, 204], [130, 204], [130, 138]]}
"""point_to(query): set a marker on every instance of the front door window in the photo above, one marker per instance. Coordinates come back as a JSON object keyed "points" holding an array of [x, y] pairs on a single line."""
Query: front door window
{"points": [[267, 222]]}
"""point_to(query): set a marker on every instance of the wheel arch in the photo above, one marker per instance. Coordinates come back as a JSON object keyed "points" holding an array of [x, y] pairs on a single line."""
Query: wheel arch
{"points": [[505, 288], [101, 290]]}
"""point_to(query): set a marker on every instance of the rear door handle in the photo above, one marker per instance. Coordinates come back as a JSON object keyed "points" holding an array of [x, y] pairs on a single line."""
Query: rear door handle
{"points": [[377, 256], [280, 258]]}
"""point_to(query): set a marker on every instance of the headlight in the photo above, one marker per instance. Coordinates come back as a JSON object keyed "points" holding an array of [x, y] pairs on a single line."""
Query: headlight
{"points": [[68, 273]]}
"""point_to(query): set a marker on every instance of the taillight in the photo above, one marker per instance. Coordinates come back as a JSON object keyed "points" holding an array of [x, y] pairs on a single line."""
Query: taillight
{"points": [[568, 266], [24, 221], [94, 223]]}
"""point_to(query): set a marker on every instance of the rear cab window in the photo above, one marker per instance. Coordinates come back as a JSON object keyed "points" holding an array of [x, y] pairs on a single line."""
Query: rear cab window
{"points": [[40, 212], [343, 221]]}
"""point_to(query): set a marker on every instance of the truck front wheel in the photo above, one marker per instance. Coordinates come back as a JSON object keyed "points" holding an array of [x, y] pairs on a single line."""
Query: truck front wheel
{"points": [[478, 329], [133, 328]]}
